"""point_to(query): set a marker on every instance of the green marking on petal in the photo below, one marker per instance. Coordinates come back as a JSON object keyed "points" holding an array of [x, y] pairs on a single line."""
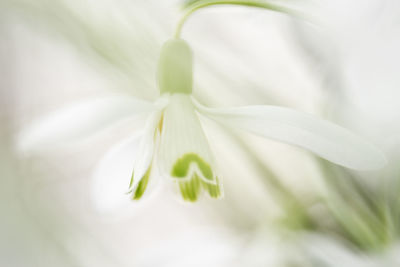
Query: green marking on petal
{"points": [[182, 165], [214, 190], [131, 182], [190, 189], [141, 187]]}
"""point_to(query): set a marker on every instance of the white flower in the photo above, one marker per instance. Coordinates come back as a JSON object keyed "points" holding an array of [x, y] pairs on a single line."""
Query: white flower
{"points": [[173, 137]]}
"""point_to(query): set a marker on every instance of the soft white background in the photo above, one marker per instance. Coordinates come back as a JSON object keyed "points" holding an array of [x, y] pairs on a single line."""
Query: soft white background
{"points": [[342, 64]]}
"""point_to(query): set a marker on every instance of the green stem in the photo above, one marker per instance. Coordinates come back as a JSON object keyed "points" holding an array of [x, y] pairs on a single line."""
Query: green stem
{"points": [[257, 4]]}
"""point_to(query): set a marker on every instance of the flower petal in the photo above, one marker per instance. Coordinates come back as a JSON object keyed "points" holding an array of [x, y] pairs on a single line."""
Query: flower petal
{"points": [[142, 165], [79, 121], [149, 180], [184, 151], [321, 137]]}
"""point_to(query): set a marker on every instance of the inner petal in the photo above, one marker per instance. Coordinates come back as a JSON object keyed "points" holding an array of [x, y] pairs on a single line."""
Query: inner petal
{"points": [[184, 150]]}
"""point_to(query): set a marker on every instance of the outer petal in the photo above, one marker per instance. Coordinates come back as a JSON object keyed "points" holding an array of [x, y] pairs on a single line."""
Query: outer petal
{"points": [[79, 121], [321, 137], [142, 164], [111, 180]]}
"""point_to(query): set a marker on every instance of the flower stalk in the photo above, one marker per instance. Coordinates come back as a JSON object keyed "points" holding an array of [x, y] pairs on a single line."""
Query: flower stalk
{"points": [[256, 4]]}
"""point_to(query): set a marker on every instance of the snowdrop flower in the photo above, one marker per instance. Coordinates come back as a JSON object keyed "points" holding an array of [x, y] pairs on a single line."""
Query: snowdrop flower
{"points": [[173, 138]]}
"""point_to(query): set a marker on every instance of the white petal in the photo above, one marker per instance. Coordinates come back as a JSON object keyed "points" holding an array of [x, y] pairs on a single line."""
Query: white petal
{"points": [[79, 121], [112, 176], [321, 137], [183, 135], [147, 147]]}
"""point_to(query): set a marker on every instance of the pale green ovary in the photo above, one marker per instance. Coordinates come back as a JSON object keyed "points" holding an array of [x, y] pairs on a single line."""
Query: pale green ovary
{"points": [[175, 68]]}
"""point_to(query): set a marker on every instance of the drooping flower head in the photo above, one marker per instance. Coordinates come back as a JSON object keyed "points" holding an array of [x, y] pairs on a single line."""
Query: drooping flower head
{"points": [[175, 131], [175, 137], [173, 144]]}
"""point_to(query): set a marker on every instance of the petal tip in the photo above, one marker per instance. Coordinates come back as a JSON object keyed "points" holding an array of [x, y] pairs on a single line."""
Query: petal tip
{"points": [[373, 160]]}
